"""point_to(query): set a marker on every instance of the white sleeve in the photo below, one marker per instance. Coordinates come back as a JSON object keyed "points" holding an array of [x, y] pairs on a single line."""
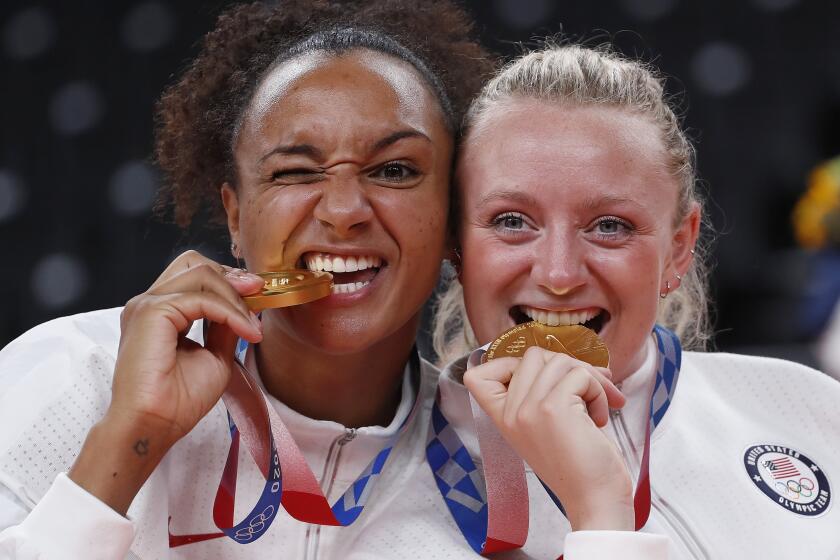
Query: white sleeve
{"points": [[12, 509], [68, 524], [627, 545]]}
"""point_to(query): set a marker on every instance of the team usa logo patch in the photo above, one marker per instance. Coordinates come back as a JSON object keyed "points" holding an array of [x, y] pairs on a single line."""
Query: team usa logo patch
{"points": [[789, 478]]}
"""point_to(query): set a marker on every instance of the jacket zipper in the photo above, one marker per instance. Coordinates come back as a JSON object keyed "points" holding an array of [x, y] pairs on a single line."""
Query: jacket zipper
{"points": [[313, 532], [668, 514]]}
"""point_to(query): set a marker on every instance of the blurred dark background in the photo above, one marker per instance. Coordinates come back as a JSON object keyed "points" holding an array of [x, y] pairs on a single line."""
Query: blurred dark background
{"points": [[758, 79]]}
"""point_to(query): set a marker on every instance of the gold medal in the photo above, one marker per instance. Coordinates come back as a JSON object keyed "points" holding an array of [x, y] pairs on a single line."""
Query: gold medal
{"points": [[575, 340], [290, 287]]}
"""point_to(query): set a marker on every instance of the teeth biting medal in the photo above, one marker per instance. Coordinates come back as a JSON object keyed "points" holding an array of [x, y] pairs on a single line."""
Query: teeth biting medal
{"points": [[575, 340]]}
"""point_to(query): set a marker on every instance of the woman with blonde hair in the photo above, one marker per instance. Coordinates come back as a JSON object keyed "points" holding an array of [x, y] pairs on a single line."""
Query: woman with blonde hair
{"points": [[577, 205]]}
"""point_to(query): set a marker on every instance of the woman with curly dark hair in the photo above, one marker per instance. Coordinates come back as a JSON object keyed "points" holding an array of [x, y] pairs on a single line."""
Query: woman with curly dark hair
{"points": [[322, 135]]}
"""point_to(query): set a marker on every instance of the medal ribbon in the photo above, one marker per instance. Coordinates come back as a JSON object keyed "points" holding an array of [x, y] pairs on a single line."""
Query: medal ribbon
{"points": [[289, 480], [493, 520]]}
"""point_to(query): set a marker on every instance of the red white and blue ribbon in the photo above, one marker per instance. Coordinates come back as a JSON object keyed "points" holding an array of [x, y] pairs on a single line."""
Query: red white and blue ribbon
{"points": [[289, 480], [497, 519]]}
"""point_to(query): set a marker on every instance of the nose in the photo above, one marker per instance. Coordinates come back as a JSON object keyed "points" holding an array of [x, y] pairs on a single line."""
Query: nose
{"points": [[559, 266], [343, 207]]}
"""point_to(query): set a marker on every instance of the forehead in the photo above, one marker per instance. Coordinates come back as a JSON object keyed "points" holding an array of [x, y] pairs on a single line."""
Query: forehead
{"points": [[566, 150], [360, 86]]}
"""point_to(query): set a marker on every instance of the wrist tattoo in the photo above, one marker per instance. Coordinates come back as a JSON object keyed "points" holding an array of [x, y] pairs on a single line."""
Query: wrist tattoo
{"points": [[142, 447]]}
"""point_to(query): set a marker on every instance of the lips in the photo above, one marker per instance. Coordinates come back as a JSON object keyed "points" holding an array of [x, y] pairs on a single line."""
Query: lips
{"points": [[350, 272]]}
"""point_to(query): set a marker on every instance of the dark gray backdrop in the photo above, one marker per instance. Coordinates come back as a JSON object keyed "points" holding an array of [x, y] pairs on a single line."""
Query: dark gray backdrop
{"points": [[762, 88]]}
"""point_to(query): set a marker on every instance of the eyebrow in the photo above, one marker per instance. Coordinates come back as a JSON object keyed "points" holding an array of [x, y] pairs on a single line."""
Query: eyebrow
{"points": [[513, 196], [590, 203], [312, 152], [294, 150], [595, 202], [394, 137]]}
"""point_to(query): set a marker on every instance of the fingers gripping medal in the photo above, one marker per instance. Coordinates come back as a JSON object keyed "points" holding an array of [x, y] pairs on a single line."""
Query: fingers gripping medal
{"points": [[502, 470], [290, 287], [575, 340]]}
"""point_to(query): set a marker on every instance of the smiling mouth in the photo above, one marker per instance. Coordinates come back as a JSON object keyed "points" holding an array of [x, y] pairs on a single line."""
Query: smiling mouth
{"points": [[592, 317], [350, 273]]}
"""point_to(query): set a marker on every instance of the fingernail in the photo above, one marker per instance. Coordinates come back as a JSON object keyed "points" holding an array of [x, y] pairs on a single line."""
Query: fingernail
{"points": [[256, 321], [242, 274]]}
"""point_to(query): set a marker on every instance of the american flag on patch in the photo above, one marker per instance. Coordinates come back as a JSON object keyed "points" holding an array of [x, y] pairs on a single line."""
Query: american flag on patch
{"points": [[782, 467]]}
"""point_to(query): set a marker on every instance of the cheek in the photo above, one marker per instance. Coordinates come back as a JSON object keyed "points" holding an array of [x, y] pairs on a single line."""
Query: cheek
{"points": [[490, 271], [268, 221], [416, 220], [633, 284]]}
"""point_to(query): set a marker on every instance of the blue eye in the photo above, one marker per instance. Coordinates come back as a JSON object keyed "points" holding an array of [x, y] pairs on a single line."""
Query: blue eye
{"points": [[611, 227], [509, 221]]}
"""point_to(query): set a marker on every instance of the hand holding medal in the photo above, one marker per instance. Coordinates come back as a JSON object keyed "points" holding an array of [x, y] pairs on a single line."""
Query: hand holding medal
{"points": [[547, 391]]}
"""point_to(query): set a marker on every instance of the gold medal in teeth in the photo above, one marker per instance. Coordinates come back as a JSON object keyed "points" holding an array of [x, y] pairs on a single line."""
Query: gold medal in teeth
{"points": [[290, 287], [577, 341]]}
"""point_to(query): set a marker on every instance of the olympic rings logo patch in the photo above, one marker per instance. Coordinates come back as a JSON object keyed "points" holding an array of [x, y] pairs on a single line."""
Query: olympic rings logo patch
{"points": [[255, 525], [789, 478]]}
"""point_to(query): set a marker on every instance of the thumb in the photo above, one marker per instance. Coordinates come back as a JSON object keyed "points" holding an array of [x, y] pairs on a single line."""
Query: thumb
{"points": [[244, 282]]}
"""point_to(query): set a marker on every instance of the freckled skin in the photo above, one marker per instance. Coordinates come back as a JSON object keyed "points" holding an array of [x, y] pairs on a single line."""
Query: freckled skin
{"points": [[564, 161], [342, 107]]}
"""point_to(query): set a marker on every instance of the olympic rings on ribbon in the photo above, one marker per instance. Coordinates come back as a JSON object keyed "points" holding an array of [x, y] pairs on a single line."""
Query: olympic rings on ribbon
{"points": [[255, 525]]}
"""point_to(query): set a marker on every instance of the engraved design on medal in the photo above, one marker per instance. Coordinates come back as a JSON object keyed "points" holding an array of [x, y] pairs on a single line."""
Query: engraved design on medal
{"points": [[574, 340], [516, 345]]}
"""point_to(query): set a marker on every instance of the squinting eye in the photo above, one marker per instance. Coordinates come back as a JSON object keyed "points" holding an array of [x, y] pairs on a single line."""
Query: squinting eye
{"points": [[297, 175]]}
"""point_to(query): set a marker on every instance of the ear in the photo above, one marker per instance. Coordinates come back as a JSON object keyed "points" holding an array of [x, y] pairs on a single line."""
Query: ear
{"points": [[683, 243], [231, 203]]}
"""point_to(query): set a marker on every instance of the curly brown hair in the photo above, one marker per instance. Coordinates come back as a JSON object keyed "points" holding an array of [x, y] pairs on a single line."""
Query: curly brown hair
{"points": [[197, 117]]}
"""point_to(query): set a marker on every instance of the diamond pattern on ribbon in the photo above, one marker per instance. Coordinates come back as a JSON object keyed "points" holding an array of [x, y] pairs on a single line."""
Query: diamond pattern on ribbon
{"points": [[358, 493], [667, 372], [459, 481]]}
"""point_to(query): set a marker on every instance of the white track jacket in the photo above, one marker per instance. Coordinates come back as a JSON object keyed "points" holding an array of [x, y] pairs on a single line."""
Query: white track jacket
{"points": [[55, 384]]}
